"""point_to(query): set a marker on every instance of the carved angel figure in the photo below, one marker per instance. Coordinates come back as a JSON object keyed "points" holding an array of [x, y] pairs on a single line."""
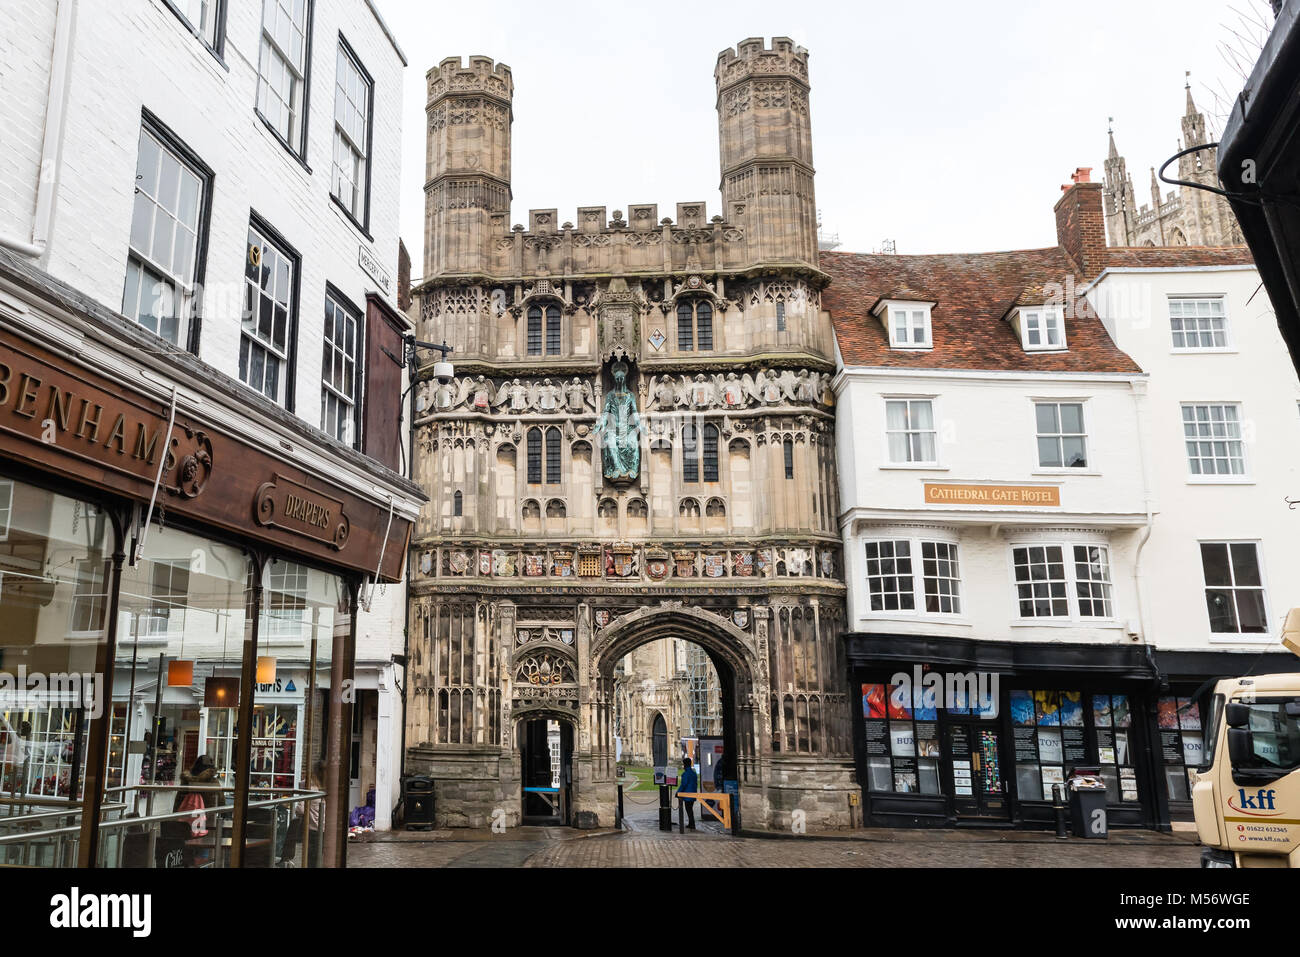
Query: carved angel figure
{"points": [[548, 396]]}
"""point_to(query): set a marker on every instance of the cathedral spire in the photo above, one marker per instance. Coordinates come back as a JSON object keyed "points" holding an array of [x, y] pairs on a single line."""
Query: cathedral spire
{"points": [[1191, 106], [1110, 131]]}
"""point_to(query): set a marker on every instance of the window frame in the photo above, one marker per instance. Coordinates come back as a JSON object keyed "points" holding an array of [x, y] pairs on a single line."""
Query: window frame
{"points": [[539, 453], [1222, 299], [270, 233], [1060, 436], [691, 454], [358, 363], [167, 138], [552, 455], [218, 47], [1214, 477], [916, 555], [362, 223], [691, 340], [933, 431], [299, 152], [1073, 616], [1237, 636], [1043, 311], [909, 309]]}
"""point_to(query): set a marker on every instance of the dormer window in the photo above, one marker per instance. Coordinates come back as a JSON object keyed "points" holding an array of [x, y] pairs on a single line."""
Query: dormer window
{"points": [[907, 323], [1041, 329]]}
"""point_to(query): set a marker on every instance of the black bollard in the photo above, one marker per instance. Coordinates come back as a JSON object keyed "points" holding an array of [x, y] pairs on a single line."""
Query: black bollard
{"points": [[665, 809], [1058, 807], [618, 820]]}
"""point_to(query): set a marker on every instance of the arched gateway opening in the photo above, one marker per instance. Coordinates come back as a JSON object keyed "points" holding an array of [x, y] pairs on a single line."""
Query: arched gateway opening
{"points": [[545, 767], [736, 664]]}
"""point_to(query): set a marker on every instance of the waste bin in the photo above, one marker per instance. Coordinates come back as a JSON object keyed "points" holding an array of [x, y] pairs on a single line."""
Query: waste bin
{"points": [[417, 799], [1087, 803]]}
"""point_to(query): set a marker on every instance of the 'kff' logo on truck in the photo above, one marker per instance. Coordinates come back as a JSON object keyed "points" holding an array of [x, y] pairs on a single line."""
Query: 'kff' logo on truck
{"points": [[1259, 804]]}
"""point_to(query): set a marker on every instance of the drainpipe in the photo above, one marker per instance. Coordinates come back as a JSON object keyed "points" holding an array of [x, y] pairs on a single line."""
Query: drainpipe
{"points": [[1139, 388], [53, 133]]}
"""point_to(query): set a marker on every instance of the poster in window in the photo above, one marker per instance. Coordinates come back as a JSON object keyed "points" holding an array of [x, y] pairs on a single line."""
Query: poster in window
{"points": [[873, 701], [1072, 746], [927, 739], [1052, 775], [1121, 748], [902, 739], [1189, 715], [1120, 711], [877, 738], [1101, 710], [899, 705], [985, 709], [905, 782], [1047, 708], [1167, 714], [1171, 748], [1192, 746], [1049, 746], [1026, 744], [1022, 708], [1128, 784], [1071, 709], [1104, 755]]}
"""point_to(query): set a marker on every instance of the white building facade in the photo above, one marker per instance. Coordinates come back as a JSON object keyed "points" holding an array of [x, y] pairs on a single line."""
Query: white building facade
{"points": [[209, 190], [1018, 509], [1222, 419]]}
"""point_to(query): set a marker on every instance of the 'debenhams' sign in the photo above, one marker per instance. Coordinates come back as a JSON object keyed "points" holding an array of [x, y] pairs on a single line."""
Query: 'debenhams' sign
{"points": [[69, 416]]}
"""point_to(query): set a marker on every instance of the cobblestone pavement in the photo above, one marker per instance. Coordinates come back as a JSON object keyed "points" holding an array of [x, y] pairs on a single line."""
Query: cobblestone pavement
{"points": [[638, 850], [649, 847]]}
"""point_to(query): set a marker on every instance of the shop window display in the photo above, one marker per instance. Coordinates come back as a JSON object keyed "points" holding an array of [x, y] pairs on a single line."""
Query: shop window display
{"points": [[1056, 731], [902, 739], [1181, 743]]}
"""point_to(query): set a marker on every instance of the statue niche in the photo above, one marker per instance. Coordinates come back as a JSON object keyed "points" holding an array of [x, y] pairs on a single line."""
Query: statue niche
{"points": [[619, 427]]}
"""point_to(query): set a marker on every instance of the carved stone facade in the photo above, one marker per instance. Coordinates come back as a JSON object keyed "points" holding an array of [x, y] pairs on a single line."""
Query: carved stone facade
{"points": [[1188, 217], [639, 445]]}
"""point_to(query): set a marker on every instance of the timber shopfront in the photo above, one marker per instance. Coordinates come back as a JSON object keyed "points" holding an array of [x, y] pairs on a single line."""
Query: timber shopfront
{"points": [[992, 759], [182, 565]]}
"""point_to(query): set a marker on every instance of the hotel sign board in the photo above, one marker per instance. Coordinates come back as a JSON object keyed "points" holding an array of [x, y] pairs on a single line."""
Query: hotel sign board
{"points": [[996, 496]]}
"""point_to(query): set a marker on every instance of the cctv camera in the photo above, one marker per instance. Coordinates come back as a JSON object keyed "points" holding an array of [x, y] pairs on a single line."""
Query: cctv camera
{"points": [[444, 372]]}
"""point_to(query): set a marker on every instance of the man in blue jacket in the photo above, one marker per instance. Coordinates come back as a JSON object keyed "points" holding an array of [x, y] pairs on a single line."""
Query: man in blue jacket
{"points": [[689, 784]]}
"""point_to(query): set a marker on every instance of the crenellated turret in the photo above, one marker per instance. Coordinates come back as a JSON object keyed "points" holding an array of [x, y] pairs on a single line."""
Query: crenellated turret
{"points": [[765, 140], [467, 190]]}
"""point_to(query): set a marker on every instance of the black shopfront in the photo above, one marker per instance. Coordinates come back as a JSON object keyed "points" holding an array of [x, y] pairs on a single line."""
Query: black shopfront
{"points": [[1024, 716]]}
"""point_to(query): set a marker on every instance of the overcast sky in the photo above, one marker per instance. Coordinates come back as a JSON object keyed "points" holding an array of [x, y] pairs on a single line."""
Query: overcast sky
{"points": [[946, 126]]}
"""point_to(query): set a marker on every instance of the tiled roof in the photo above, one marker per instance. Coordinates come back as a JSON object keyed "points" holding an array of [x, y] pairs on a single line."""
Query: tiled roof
{"points": [[1174, 256], [974, 292]]}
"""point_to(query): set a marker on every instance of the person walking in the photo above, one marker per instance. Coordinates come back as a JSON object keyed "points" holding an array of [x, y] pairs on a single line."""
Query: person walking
{"points": [[689, 783]]}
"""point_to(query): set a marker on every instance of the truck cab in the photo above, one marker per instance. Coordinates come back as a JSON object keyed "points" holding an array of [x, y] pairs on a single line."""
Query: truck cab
{"points": [[1246, 796]]}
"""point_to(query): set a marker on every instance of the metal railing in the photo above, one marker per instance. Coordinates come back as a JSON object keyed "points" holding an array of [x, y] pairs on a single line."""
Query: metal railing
{"points": [[276, 835]]}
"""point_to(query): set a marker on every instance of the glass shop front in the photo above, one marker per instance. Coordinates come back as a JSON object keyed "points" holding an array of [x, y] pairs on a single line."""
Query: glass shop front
{"points": [[173, 693]]}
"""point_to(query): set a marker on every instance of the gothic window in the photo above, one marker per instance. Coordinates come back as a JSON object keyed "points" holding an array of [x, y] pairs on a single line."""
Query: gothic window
{"points": [[552, 330], [694, 325], [457, 504], [710, 453], [689, 508], [788, 448], [690, 454], [534, 456], [780, 317], [553, 456], [553, 339]]}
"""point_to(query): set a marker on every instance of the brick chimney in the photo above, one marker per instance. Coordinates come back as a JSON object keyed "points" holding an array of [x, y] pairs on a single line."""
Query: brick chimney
{"points": [[1081, 223]]}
